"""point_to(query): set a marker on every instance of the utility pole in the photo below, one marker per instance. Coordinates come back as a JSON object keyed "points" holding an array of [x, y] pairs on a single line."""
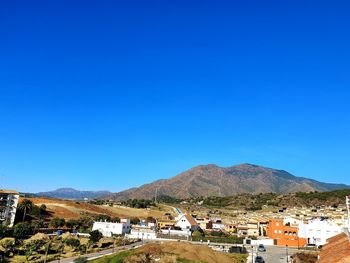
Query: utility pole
{"points": [[287, 253]]}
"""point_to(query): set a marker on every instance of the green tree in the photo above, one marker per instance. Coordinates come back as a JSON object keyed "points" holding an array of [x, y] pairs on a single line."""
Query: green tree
{"points": [[72, 242], [197, 234], [3, 231], [116, 219], [102, 217], [38, 224], [135, 220], [95, 236], [22, 230], [73, 223], [25, 206], [57, 222]]}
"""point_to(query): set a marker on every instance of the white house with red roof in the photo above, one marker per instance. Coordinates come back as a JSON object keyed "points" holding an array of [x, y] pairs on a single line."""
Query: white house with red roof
{"points": [[186, 222]]}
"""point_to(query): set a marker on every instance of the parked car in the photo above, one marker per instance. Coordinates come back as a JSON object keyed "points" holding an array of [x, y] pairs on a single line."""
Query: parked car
{"points": [[261, 248], [259, 259]]}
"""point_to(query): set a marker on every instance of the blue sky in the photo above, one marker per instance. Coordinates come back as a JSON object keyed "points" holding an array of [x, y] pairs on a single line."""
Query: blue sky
{"points": [[116, 94]]}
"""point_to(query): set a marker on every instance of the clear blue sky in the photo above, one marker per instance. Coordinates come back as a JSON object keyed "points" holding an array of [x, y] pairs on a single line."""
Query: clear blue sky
{"points": [[116, 94]]}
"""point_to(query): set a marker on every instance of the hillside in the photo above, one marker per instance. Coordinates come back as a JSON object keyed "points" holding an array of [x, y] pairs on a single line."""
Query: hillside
{"points": [[258, 201], [73, 210], [173, 252], [212, 180], [73, 194]]}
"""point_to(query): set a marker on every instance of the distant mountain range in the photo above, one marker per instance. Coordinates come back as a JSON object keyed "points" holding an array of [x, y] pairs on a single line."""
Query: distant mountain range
{"points": [[212, 180], [73, 194]]}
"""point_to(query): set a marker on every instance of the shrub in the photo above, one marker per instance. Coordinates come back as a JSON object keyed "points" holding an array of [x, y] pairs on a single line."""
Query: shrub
{"points": [[95, 236], [22, 230]]}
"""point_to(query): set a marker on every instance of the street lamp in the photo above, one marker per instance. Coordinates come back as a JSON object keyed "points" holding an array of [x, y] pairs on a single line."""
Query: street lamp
{"points": [[287, 253]]}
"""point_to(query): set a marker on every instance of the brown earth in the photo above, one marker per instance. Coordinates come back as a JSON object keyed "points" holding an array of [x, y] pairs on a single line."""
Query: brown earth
{"points": [[197, 253], [72, 210]]}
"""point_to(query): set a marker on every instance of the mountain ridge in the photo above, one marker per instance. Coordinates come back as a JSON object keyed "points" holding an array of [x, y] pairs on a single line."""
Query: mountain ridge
{"points": [[213, 180], [73, 194]]}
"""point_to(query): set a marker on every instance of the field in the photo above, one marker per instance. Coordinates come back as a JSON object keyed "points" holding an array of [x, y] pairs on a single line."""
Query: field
{"points": [[173, 252], [72, 210]]}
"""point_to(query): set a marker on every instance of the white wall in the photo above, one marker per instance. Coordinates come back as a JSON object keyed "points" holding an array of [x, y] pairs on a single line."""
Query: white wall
{"points": [[318, 231], [265, 242], [142, 235], [108, 229]]}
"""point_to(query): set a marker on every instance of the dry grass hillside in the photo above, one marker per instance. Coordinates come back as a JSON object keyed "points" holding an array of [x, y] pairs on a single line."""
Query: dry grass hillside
{"points": [[173, 252], [72, 209]]}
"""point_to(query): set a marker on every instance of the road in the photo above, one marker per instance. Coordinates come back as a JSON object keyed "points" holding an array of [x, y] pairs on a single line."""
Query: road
{"points": [[100, 253], [273, 254]]}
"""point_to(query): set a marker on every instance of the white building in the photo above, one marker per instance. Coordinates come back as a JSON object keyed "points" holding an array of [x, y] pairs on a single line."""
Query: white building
{"points": [[318, 230], [8, 207], [108, 229], [185, 221], [217, 224], [143, 233]]}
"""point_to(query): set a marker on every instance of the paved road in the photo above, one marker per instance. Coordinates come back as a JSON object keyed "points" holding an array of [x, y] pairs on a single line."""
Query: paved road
{"points": [[273, 254], [100, 253]]}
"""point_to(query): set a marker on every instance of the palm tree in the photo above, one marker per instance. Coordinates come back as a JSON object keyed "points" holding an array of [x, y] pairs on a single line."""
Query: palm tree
{"points": [[25, 206]]}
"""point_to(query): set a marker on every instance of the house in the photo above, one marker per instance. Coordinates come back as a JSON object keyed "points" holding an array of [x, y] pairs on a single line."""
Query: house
{"points": [[318, 230], [231, 228], [242, 230], [284, 234], [143, 233], [217, 224], [186, 221], [165, 223], [204, 223], [8, 207], [253, 229], [108, 228], [336, 250]]}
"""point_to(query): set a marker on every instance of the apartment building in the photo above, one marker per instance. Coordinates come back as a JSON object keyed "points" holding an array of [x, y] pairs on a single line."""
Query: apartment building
{"points": [[284, 234], [8, 207], [318, 230]]}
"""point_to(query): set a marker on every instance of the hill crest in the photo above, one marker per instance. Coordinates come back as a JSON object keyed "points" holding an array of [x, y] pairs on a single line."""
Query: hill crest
{"points": [[213, 180]]}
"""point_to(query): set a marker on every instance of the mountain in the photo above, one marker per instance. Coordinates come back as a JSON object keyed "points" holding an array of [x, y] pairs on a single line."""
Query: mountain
{"points": [[70, 193], [212, 180]]}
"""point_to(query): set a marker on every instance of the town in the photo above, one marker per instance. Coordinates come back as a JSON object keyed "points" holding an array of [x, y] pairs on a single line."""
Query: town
{"points": [[32, 230]]}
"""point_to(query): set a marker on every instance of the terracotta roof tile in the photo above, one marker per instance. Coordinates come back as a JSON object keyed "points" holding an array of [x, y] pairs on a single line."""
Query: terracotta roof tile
{"points": [[337, 250]]}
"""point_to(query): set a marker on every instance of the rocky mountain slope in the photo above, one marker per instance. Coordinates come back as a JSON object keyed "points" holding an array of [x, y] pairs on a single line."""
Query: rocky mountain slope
{"points": [[212, 180]]}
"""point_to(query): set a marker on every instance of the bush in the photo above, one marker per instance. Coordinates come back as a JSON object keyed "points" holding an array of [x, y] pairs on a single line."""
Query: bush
{"points": [[197, 234], [135, 220], [7, 244], [22, 230], [103, 217], [57, 222], [72, 242], [95, 236]]}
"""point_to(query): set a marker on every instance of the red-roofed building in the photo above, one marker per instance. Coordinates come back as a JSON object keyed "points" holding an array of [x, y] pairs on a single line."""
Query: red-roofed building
{"points": [[337, 250], [185, 221]]}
